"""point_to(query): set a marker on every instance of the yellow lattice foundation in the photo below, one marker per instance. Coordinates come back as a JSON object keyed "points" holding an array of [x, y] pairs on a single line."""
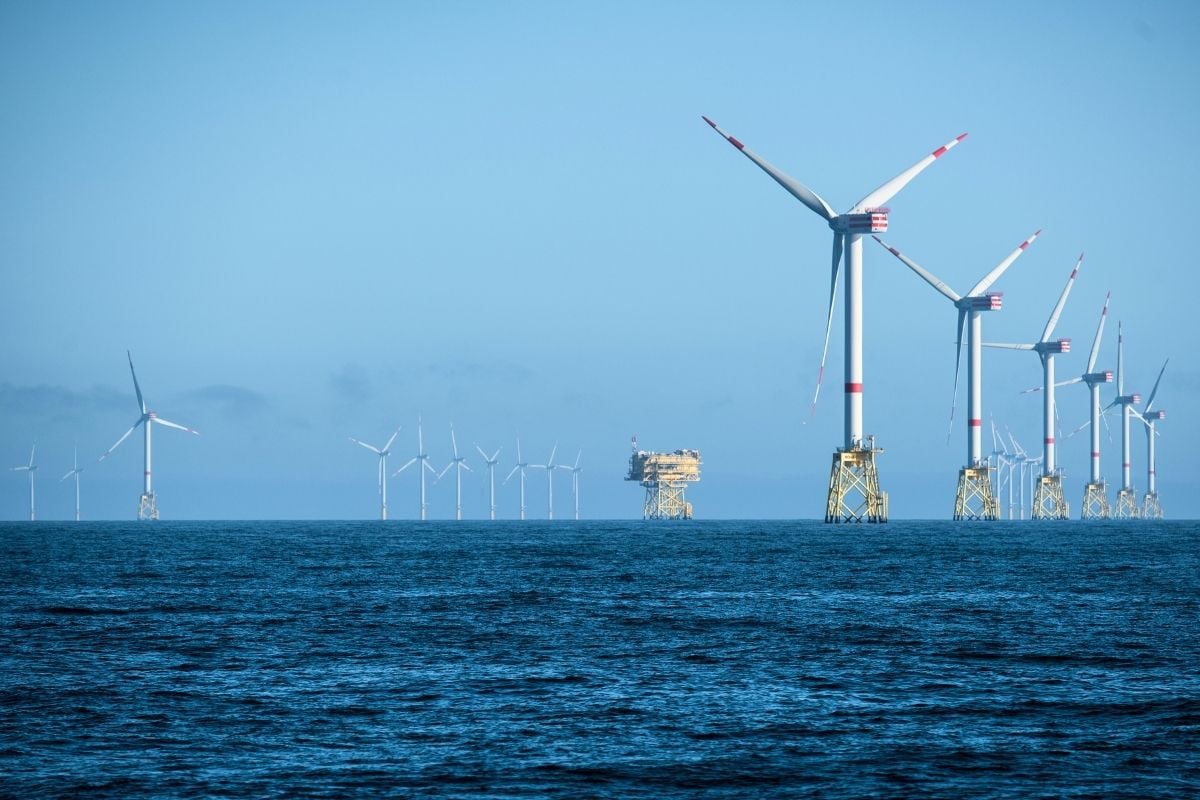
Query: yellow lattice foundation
{"points": [[1048, 499], [1151, 508], [1127, 505], [975, 498], [1095, 501], [854, 494]]}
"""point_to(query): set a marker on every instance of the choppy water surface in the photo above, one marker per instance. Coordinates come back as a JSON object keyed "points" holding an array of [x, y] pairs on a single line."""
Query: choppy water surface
{"points": [[764, 659]]}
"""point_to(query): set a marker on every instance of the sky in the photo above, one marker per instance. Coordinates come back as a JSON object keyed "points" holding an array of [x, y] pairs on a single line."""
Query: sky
{"points": [[315, 221]]}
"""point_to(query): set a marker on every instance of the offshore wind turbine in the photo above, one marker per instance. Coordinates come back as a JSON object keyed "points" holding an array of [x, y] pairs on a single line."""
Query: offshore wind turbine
{"points": [[491, 468], [75, 472], [459, 464], [30, 468], [423, 458], [148, 503], [1127, 505], [1151, 507], [575, 470], [1095, 494], [853, 470], [383, 456], [1049, 501], [520, 466], [975, 497], [550, 466]]}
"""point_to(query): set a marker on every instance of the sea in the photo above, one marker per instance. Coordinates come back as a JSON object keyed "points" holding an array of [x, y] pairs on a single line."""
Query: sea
{"points": [[607, 659]]}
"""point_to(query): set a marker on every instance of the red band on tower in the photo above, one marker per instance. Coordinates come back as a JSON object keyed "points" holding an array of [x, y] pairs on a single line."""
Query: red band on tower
{"points": [[853, 388]]}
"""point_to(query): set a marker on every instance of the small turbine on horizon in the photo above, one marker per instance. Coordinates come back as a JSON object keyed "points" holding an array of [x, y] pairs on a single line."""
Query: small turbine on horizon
{"points": [[520, 466], [550, 466], [491, 468], [74, 472], [148, 503], [31, 468], [383, 456], [575, 470], [423, 458], [1151, 507], [459, 463]]}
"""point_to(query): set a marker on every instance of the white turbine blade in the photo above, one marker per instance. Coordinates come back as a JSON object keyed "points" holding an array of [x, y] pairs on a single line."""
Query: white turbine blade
{"points": [[550, 463], [793, 187], [510, 474], [578, 456], [1062, 301], [69, 474], [518, 449], [453, 441], [429, 467], [930, 278], [388, 446], [495, 456], [20, 469], [888, 190], [33, 449], [962, 323], [464, 465], [833, 283], [170, 424], [1149, 403], [1091, 364], [443, 472], [136, 388], [1086, 424], [407, 464], [1006, 346], [995, 274], [123, 438], [1057, 384], [364, 444]]}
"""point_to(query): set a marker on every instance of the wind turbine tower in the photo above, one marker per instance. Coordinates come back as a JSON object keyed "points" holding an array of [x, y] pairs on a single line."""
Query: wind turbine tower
{"points": [[520, 466], [575, 470], [550, 466], [1127, 504], [423, 458], [383, 456], [1151, 508], [75, 472], [975, 497], [1095, 494], [459, 463], [148, 503], [854, 491], [1048, 500], [31, 468], [491, 468]]}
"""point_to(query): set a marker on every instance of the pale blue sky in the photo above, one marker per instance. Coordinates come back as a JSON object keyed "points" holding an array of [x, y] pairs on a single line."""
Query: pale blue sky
{"points": [[312, 221]]}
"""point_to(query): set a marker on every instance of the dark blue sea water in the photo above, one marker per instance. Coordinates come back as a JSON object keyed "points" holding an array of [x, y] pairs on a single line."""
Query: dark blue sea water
{"points": [[603, 659]]}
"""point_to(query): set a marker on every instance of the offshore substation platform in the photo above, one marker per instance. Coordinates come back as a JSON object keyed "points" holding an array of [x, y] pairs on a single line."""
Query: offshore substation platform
{"points": [[665, 476]]}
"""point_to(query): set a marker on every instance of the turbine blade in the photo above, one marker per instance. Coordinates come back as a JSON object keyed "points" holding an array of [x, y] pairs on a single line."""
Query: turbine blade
{"points": [[453, 440], [407, 464], [123, 438], [1005, 346], [1062, 301], [170, 424], [510, 474], [793, 187], [69, 474], [1149, 403], [930, 278], [888, 190], [550, 463], [999, 269], [364, 444], [1091, 364], [136, 388], [443, 472], [480, 449], [833, 283], [388, 446], [33, 450], [962, 324]]}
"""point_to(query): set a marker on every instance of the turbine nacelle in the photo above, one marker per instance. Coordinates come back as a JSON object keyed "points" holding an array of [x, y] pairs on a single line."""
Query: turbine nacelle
{"points": [[1105, 376], [1055, 346], [1151, 416], [992, 301], [868, 222], [1128, 400]]}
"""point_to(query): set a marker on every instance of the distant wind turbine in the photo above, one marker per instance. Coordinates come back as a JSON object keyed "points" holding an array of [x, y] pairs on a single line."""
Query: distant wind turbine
{"points": [[75, 472], [459, 463], [148, 504], [423, 458], [383, 455], [575, 470], [31, 469], [550, 466], [521, 466], [491, 468]]}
